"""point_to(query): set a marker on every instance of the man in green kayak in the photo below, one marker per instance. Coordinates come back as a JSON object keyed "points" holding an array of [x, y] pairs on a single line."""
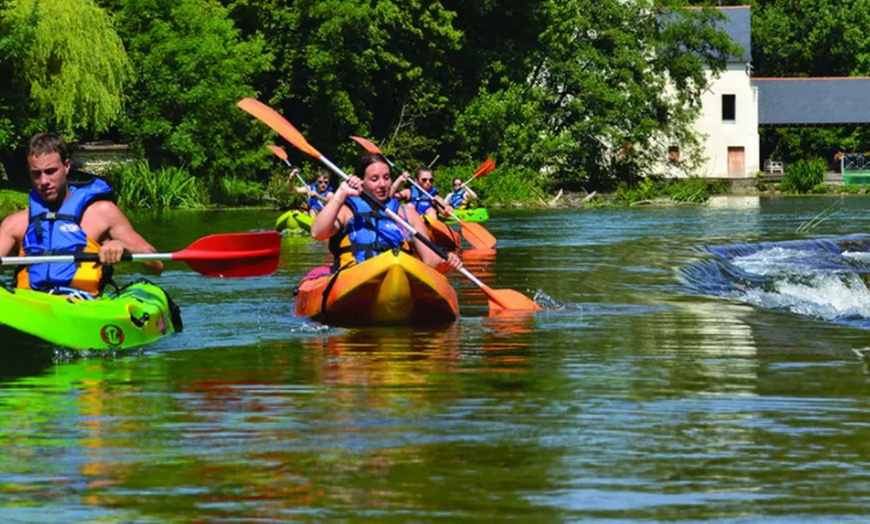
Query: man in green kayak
{"points": [[64, 218]]}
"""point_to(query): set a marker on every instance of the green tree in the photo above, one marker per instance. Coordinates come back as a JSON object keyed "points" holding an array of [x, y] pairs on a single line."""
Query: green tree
{"points": [[65, 69], [356, 67], [594, 104], [193, 66]]}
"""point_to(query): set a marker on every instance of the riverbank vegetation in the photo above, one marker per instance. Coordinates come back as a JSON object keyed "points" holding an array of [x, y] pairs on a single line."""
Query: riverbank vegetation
{"points": [[565, 96]]}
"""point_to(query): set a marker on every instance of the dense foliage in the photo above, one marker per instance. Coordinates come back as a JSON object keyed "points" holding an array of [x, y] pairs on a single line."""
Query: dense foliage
{"points": [[561, 93]]}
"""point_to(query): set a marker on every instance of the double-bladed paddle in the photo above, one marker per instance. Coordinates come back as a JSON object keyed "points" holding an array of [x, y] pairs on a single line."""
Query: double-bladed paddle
{"points": [[482, 170], [226, 255], [498, 298], [475, 234], [280, 153]]}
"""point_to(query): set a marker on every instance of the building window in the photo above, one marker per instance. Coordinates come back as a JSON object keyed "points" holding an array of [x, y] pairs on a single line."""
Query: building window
{"points": [[729, 108], [673, 154]]}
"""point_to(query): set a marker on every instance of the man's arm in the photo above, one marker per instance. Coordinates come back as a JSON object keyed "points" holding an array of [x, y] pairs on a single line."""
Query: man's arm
{"points": [[118, 236], [12, 231]]}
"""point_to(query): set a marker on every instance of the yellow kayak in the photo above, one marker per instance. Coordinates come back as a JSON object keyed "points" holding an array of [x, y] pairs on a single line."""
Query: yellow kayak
{"points": [[390, 289]]}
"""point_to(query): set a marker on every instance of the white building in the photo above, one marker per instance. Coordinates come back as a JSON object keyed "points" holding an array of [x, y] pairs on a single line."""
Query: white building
{"points": [[728, 124]]}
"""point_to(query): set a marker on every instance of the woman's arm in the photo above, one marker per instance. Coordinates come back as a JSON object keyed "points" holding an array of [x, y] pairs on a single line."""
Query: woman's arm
{"points": [[429, 257], [334, 214]]}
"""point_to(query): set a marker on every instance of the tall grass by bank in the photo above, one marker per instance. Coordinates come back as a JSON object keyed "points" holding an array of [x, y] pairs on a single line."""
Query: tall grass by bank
{"points": [[691, 190], [804, 176], [138, 187]]}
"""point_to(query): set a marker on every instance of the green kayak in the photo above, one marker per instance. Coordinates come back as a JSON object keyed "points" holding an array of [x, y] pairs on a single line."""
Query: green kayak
{"points": [[293, 219], [478, 214], [139, 314]]}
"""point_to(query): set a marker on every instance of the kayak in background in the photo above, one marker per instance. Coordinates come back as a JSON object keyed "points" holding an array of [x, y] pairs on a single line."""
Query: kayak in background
{"points": [[442, 234], [294, 220], [391, 289], [141, 313], [478, 214]]}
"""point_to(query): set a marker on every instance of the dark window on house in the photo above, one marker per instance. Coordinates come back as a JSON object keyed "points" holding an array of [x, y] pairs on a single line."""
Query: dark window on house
{"points": [[729, 107]]}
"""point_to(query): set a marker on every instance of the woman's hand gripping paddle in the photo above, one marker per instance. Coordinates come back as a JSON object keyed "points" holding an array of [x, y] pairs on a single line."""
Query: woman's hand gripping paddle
{"points": [[227, 255], [499, 299], [475, 234]]}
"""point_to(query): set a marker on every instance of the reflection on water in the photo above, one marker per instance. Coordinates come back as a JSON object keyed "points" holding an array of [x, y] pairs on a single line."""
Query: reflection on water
{"points": [[658, 389]]}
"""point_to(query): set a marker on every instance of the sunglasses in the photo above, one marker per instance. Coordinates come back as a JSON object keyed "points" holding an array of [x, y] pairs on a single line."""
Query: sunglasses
{"points": [[426, 179]]}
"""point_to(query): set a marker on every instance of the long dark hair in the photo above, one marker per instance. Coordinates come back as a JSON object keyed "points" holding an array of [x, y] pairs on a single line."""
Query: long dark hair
{"points": [[365, 161]]}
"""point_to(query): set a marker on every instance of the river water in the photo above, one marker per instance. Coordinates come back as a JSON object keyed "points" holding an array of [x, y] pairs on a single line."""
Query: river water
{"points": [[693, 363]]}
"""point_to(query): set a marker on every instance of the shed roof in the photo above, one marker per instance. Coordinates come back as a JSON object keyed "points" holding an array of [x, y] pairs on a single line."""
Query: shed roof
{"points": [[813, 101]]}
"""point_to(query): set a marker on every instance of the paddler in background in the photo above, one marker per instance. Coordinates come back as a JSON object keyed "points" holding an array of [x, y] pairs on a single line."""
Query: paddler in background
{"points": [[319, 192], [459, 196], [422, 203], [65, 219], [357, 232]]}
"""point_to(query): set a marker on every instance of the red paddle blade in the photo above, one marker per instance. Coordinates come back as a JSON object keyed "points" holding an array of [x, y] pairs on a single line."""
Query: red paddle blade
{"points": [[279, 151], [501, 299], [271, 118], [367, 145], [233, 254], [477, 235]]}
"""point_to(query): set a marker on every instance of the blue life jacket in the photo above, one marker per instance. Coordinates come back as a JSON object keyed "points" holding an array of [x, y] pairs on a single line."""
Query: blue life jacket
{"points": [[314, 202], [457, 198], [370, 232], [420, 200], [60, 233]]}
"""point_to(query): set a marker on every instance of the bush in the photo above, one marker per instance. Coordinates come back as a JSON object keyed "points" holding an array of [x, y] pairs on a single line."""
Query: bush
{"points": [[237, 192], [283, 194], [802, 176], [138, 187], [690, 190], [501, 187]]}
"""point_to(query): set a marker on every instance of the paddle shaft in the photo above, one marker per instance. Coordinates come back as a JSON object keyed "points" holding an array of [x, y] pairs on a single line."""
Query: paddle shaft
{"points": [[129, 257], [304, 184], [401, 221]]}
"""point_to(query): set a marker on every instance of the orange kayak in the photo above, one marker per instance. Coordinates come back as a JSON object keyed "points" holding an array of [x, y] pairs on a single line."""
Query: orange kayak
{"points": [[390, 289], [441, 234]]}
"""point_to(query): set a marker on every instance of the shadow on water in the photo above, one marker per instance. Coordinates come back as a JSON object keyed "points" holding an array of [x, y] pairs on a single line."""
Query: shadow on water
{"points": [[823, 278], [22, 355]]}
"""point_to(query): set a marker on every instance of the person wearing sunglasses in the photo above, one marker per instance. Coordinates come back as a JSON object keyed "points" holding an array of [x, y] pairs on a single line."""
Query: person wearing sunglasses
{"points": [[422, 202], [319, 192], [459, 196]]}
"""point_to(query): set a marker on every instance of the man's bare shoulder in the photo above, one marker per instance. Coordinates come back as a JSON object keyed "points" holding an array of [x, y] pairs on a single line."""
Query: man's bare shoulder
{"points": [[103, 207], [15, 224]]}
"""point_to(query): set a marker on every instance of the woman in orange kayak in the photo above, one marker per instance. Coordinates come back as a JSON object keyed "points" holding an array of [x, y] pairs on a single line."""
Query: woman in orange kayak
{"points": [[358, 232]]}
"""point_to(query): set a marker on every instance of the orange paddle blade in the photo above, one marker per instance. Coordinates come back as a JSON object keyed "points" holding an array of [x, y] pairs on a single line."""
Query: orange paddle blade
{"points": [[271, 118], [501, 299], [233, 254], [367, 145], [477, 235], [484, 168], [442, 234], [279, 151]]}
